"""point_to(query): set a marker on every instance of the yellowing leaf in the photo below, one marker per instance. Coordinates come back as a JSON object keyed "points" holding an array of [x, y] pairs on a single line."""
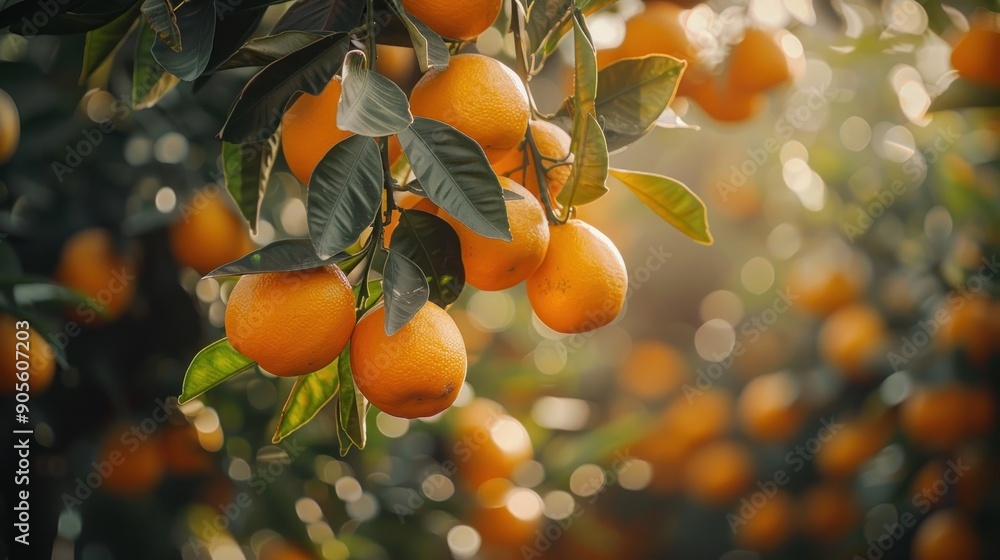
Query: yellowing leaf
{"points": [[309, 395], [671, 200]]}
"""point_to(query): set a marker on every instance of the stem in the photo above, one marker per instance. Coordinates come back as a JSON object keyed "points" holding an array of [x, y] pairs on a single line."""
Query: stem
{"points": [[372, 45]]}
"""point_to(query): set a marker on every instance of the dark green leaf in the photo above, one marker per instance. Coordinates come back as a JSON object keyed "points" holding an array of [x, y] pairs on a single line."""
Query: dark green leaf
{"points": [[70, 17], [545, 17], [556, 32], [247, 168], [265, 50], [150, 81], [196, 21], [370, 104], [454, 172], [585, 77], [405, 291], [104, 41], [284, 255], [433, 245], [309, 395], [671, 200], [633, 93], [345, 193], [160, 16], [259, 107], [216, 363], [431, 50], [232, 30], [589, 174], [321, 15], [353, 406]]}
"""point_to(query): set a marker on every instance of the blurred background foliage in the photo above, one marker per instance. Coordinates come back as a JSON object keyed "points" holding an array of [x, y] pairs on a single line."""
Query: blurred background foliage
{"points": [[821, 375]]}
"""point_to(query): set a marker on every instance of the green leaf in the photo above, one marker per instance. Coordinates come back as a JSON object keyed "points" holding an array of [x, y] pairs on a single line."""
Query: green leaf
{"points": [[431, 50], [370, 104], [589, 175], [585, 73], [671, 200], [216, 363], [196, 21], [321, 15], [163, 21], [265, 50], [353, 407], [63, 17], [247, 167], [633, 93], [433, 245], [374, 294], [150, 81], [963, 94], [259, 107], [455, 175], [345, 193], [309, 395], [559, 28], [284, 255], [405, 291], [544, 18], [104, 41]]}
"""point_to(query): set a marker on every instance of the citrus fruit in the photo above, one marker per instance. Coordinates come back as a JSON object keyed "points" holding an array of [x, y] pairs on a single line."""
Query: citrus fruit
{"points": [[936, 417], [851, 338], [825, 279], [725, 105], [10, 127], [208, 234], [946, 535], [479, 96], [828, 512], [975, 55], [135, 463], [416, 372], [35, 353], [397, 63], [769, 407], [659, 29], [769, 527], [757, 63], [653, 370], [552, 142], [718, 472], [581, 283], [854, 443], [455, 19], [487, 443], [91, 265], [291, 323], [495, 264], [505, 529], [971, 324], [309, 130]]}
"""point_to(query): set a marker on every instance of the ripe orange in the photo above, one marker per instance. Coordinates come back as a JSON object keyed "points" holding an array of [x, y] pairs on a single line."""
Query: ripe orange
{"points": [[946, 535], [972, 324], [856, 442], [398, 64], [725, 105], [828, 512], [40, 358], [487, 443], [208, 234], [494, 264], [504, 533], [309, 130], [455, 19], [479, 96], [757, 63], [414, 373], [659, 29], [10, 127], [769, 407], [277, 549], [91, 265], [936, 417], [770, 526], [291, 323], [852, 338], [136, 465], [718, 472], [552, 142], [824, 280], [975, 55], [581, 284], [653, 370]]}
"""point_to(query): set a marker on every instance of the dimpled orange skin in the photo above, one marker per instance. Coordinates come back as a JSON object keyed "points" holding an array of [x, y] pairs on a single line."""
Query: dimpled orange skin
{"points": [[552, 142], [455, 19], [416, 372], [41, 358], [208, 235], [479, 96], [495, 264], [757, 63], [91, 265], [581, 284], [291, 323]]}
